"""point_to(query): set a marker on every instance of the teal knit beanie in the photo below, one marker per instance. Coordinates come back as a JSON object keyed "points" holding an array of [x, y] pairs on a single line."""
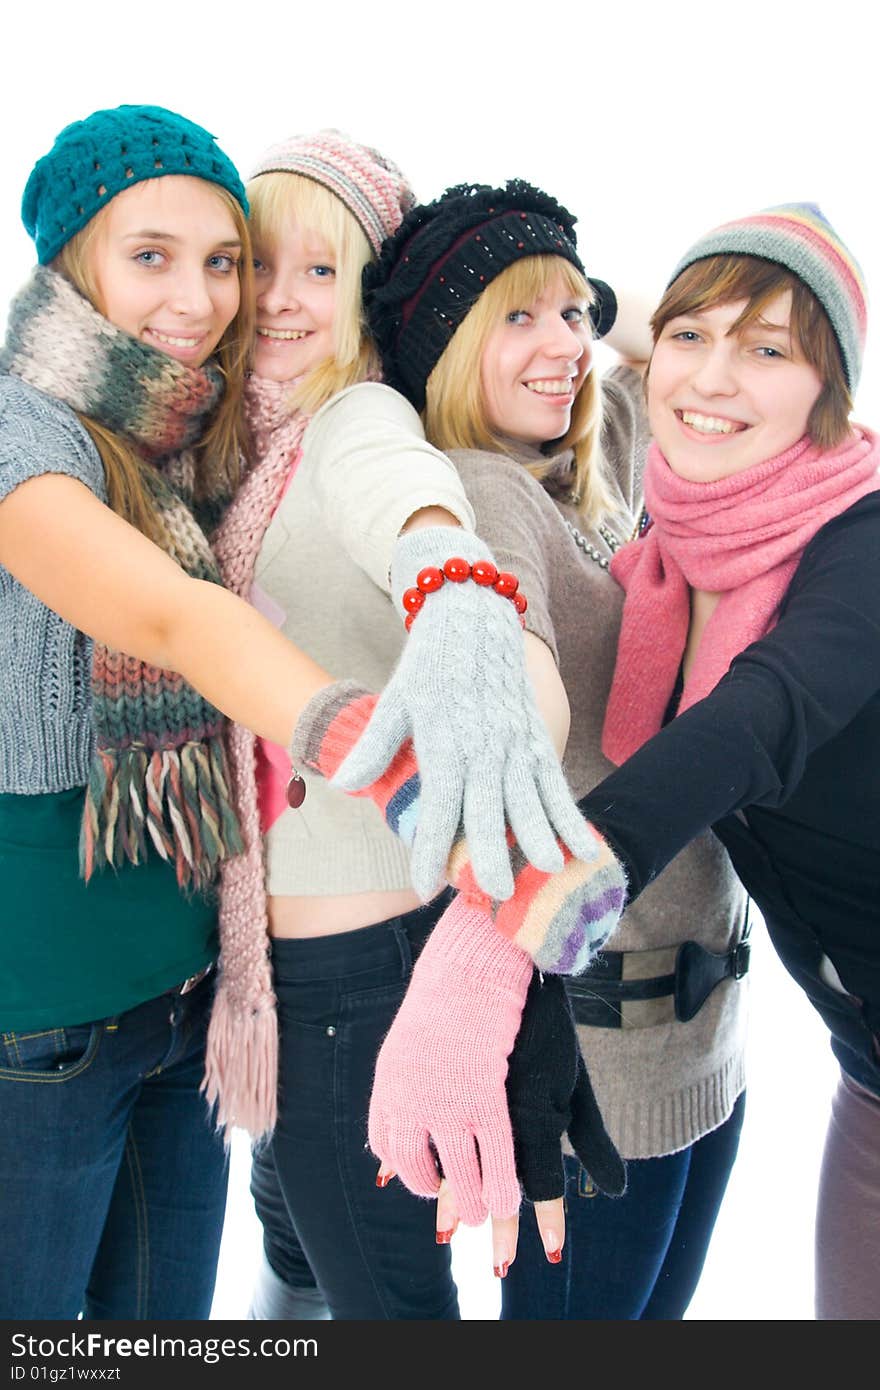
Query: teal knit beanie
{"points": [[799, 237], [94, 159]]}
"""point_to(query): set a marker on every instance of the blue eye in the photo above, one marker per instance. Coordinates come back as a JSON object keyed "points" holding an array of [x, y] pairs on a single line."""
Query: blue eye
{"points": [[770, 353], [518, 316], [149, 257], [687, 335], [575, 314], [322, 272], [259, 266], [222, 262]]}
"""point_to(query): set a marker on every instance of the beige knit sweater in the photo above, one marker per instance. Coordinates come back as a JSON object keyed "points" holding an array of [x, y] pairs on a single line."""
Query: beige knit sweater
{"points": [[662, 1086], [324, 565]]}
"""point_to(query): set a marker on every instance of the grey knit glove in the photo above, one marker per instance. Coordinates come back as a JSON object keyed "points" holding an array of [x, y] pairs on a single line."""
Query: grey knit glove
{"points": [[461, 692]]}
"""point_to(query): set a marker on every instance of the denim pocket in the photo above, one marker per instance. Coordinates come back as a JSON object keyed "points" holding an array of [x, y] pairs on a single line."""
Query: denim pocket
{"points": [[50, 1054]]}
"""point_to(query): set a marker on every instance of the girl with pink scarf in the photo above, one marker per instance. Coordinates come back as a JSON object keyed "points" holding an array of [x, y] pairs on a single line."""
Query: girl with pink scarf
{"points": [[746, 693]]}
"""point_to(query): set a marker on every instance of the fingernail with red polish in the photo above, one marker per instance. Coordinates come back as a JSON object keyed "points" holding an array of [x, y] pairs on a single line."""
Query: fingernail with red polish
{"points": [[501, 1270], [444, 1237], [552, 1247], [383, 1179]]}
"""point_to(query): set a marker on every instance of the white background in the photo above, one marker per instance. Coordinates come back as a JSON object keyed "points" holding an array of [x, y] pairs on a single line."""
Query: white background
{"points": [[653, 124]]}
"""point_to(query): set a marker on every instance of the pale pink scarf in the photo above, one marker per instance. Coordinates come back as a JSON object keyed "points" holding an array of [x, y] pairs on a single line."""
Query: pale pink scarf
{"points": [[741, 537], [241, 1073]]}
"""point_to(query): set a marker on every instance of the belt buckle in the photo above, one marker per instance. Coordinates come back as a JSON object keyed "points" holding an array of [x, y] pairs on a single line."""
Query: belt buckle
{"points": [[741, 958], [194, 980]]}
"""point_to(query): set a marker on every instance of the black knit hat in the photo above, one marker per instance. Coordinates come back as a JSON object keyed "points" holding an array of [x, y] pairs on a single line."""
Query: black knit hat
{"points": [[434, 268]]}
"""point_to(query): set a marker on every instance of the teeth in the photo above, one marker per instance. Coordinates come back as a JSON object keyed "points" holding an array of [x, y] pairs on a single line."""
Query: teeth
{"points": [[550, 388], [707, 424], [174, 342], [283, 335]]}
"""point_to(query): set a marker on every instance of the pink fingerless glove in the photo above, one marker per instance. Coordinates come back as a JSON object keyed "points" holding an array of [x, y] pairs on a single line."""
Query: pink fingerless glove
{"points": [[441, 1071]]}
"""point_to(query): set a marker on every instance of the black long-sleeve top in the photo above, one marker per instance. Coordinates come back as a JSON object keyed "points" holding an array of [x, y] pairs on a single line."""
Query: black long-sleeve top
{"points": [[782, 759]]}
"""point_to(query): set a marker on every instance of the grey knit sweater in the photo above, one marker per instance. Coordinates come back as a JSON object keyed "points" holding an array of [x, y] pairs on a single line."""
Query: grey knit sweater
{"points": [[46, 735], [663, 1086]]}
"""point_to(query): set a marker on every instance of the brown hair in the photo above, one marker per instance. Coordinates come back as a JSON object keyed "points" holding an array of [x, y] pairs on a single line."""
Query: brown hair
{"points": [[220, 451], [454, 414], [726, 279]]}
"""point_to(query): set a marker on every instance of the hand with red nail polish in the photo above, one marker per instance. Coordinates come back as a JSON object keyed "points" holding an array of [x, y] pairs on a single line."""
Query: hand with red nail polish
{"points": [[438, 1092]]}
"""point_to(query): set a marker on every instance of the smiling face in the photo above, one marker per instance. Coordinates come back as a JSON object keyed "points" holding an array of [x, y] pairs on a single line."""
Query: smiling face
{"points": [[723, 396], [296, 303], [534, 362], [164, 264]]}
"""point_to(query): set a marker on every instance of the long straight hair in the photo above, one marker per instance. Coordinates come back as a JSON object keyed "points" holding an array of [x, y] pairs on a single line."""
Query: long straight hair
{"points": [[220, 451], [455, 412]]}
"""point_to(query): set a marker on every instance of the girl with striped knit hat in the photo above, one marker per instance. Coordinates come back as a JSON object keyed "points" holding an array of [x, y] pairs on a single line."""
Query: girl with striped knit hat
{"points": [[120, 448], [347, 503]]}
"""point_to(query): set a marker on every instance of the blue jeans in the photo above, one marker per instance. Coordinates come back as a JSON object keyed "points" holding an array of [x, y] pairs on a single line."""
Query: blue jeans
{"points": [[113, 1185], [371, 1251], [630, 1258]]}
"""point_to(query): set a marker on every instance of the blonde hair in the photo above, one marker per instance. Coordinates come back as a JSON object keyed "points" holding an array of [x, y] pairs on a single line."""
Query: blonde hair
{"points": [[278, 198], [455, 415], [220, 451]]}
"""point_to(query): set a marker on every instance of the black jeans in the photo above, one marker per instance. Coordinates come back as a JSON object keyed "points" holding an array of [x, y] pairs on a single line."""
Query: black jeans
{"points": [[371, 1251]]}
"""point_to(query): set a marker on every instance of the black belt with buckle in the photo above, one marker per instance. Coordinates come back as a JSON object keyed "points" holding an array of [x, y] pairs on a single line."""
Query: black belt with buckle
{"points": [[612, 994]]}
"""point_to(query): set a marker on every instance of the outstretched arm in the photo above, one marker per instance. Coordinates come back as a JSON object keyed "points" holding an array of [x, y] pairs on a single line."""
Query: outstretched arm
{"points": [[124, 591]]}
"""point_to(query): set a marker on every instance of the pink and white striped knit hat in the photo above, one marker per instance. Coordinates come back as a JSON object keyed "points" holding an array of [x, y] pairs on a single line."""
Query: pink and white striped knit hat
{"points": [[372, 188]]}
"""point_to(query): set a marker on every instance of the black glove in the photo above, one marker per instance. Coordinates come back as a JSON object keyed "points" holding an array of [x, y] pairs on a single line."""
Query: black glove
{"points": [[549, 1094]]}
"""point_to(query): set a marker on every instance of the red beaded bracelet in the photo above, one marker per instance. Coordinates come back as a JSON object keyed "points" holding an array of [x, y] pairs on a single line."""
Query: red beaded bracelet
{"points": [[482, 572]]}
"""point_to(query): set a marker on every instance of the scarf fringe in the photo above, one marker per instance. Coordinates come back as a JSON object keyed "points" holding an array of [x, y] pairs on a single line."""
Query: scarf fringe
{"points": [[241, 1067], [179, 798]]}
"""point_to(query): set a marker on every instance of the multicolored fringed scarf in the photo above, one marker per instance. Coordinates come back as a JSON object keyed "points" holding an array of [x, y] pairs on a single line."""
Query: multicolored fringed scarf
{"points": [[160, 771], [741, 537], [241, 1071]]}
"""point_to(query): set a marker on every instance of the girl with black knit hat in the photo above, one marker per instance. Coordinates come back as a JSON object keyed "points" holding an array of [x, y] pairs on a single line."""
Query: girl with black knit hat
{"points": [[485, 319], [120, 450], [745, 694]]}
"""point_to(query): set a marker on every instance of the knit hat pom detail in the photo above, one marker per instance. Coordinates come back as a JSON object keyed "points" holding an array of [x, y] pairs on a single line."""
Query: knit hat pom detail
{"points": [[444, 254]]}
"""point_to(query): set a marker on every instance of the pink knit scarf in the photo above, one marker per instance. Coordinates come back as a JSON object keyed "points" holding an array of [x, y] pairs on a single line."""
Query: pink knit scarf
{"points": [[742, 537], [242, 1060]]}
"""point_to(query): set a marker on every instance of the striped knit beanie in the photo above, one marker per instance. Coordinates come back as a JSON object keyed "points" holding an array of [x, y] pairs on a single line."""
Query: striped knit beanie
{"points": [[441, 258], [371, 187], [94, 159], [799, 237]]}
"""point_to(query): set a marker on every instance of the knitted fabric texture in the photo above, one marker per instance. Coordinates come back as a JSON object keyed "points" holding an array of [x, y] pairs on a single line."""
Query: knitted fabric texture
{"points": [[372, 188], [462, 691], [799, 237], [94, 159], [549, 1094], [241, 1071], [742, 537], [159, 772], [442, 257], [561, 919], [446, 1056]]}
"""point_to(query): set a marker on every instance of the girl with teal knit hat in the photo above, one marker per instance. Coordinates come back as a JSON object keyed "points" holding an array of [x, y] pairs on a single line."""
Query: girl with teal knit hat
{"points": [[121, 448]]}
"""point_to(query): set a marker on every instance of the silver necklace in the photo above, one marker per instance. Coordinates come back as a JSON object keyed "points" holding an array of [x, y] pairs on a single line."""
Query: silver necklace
{"points": [[608, 537], [587, 546]]}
